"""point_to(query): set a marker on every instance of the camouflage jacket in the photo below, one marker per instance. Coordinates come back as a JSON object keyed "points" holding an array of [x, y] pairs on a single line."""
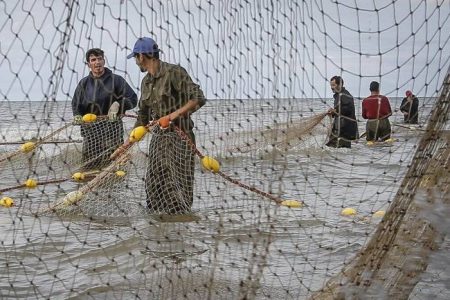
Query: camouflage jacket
{"points": [[166, 92]]}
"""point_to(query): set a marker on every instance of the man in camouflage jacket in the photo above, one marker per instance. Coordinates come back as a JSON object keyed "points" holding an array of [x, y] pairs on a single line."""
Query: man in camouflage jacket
{"points": [[167, 91]]}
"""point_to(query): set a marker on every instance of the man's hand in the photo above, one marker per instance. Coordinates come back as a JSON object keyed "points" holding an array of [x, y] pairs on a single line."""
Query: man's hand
{"points": [[77, 120], [331, 111], [164, 122], [113, 111]]}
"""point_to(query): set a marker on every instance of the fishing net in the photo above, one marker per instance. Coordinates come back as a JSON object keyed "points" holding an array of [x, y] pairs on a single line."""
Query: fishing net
{"points": [[160, 178], [281, 136], [169, 179], [162, 175], [26, 149], [406, 224], [100, 140], [60, 159], [256, 206]]}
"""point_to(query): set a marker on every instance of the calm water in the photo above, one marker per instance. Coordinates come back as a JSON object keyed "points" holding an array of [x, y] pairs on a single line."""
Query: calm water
{"points": [[236, 242]]}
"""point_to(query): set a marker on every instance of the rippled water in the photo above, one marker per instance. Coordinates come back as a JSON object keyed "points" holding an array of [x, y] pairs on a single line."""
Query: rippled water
{"points": [[235, 243]]}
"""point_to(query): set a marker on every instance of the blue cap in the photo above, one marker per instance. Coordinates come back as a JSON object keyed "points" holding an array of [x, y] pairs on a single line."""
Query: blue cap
{"points": [[144, 45]]}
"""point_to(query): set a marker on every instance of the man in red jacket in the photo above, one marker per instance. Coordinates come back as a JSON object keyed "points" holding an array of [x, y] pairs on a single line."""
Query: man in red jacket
{"points": [[377, 109]]}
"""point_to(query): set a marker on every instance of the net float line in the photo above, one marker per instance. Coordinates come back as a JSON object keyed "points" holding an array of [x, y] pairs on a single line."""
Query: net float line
{"points": [[212, 165]]}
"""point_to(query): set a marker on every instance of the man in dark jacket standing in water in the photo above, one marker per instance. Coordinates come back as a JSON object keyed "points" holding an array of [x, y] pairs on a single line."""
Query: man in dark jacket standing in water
{"points": [[410, 108], [345, 127], [101, 93]]}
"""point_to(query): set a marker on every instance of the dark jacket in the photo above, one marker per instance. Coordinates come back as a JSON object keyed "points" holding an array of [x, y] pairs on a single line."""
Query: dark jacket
{"points": [[345, 124], [95, 95], [412, 108]]}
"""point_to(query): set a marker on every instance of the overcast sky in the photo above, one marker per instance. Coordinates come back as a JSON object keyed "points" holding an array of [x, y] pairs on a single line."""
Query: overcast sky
{"points": [[233, 49]]}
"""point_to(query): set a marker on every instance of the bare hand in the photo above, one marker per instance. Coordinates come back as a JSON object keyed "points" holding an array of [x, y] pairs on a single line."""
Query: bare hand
{"points": [[164, 122]]}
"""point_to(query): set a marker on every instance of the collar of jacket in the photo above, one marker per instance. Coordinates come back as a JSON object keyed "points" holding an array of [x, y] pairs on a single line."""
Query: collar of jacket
{"points": [[343, 91], [162, 70], [107, 73]]}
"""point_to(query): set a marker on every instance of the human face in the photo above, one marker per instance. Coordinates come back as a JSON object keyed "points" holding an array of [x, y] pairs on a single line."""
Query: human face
{"points": [[139, 58], [97, 65], [334, 86]]}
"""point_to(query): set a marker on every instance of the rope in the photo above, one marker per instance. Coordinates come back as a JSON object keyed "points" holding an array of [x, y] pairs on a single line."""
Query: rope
{"points": [[90, 186], [281, 135], [52, 181], [183, 136], [119, 157], [48, 142], [408, 127], [37, 144], [38, 183]]}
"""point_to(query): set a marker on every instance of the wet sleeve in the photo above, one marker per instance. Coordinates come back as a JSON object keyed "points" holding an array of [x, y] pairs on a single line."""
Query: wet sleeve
{"points": [[183, 84], [402, 106], [78, 99], [336, 104], [388, 105], [142, 114], [127, 95], [346, 105], [364, 110], [415, 106]]}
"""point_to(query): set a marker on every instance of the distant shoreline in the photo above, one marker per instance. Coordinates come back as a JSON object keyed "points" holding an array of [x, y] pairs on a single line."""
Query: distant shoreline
{"points": [[247, 99]]}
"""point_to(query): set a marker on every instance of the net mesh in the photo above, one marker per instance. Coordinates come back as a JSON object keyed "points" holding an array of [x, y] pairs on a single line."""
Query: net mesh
{"points": [[256, 206], [100, 140], [169, 177], [298, 133]]}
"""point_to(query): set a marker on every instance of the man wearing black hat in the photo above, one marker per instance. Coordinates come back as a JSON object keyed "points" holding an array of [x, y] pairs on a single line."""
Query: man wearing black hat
{"points": [[410, 108], [167, 92]]}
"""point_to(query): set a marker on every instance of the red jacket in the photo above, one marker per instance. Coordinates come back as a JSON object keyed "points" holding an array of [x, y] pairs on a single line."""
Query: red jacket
{"points": [[376, 107]]}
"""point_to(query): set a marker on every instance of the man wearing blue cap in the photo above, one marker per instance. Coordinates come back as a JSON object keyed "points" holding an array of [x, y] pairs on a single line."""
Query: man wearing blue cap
{"points": [[167, 92]]}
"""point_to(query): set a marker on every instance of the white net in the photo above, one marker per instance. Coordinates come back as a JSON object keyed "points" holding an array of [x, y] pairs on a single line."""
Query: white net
{"points": [[100, 139], [301, 133], [256, 206]]}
